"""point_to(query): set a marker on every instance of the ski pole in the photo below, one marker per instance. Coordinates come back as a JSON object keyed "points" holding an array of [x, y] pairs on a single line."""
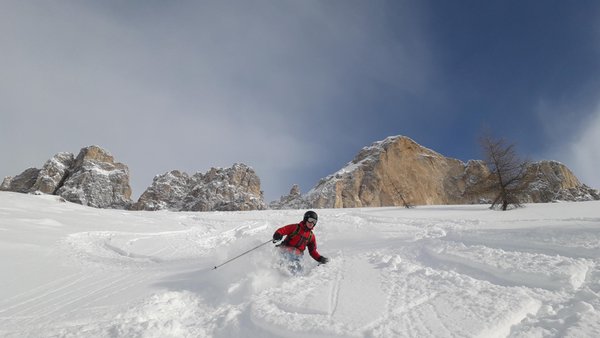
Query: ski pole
{"points": [[240, 255]]}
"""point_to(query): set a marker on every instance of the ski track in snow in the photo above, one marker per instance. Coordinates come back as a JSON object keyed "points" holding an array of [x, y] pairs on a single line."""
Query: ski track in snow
{"points": [[443, 271]]}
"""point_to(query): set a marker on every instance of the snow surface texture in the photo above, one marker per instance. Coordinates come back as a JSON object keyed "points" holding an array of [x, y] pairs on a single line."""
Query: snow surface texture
{"points": [[436, 271]]}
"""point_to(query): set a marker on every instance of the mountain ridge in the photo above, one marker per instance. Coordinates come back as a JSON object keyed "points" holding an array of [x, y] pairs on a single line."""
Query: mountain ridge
{"points": [[399, 171], [394, 171]]}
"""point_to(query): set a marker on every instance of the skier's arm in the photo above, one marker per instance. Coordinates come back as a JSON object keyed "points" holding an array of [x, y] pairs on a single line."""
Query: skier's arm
{"points": [[312, 249], [284, 231]]}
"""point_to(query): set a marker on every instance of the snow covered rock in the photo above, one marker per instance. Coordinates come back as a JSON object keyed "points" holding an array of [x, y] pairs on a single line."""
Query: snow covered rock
{"points": [[553, 181], [21, 183], [93, 179], [230, 189], [53, 173], [97, 180], [167, 192], [397, 171], [293, 200], [45, 180], [393, 172]]}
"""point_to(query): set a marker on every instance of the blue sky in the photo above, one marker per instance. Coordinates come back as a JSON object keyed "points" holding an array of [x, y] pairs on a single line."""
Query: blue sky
{"points": [[295, 89]]}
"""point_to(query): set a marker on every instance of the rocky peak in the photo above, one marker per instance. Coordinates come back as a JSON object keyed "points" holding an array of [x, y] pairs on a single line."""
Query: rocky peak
{"points": [[390, 172], [21, 183], [288, 200], [554, 181], [93, 178], [166, 192], [94, 154], [295, 191], [235, 188], [398, 170], [54, 172], [97, 180]]}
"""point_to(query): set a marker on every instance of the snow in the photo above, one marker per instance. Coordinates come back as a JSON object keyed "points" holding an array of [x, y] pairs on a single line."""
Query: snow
{"points": [[436, 271]]}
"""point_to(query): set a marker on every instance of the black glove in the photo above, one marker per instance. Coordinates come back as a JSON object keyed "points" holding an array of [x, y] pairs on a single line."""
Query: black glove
{"points": [[277, 237], [323, 260]]}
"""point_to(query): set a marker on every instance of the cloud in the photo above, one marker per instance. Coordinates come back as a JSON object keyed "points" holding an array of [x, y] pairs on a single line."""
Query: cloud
{"points": [[190, 85], [584, 153], [574, 139]]}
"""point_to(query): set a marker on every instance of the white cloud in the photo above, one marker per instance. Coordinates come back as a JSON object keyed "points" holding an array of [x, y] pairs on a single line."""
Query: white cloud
{"points": [[582, 153], [190, 85]]}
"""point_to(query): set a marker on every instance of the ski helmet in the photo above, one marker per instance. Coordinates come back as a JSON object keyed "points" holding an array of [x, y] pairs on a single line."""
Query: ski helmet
{"points": [[310, 214]]}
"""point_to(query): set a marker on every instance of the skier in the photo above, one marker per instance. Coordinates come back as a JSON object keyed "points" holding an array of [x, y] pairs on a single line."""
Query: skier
{"points": [[298, 237]]}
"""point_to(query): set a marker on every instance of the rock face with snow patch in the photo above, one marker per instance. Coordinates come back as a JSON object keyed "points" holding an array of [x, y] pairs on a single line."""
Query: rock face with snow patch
{"points": [[21, 183], [54, 172], [235, 188], [293, 200], [392, 172], [93, 179], [398, 171], [553, 181], [167, 192], [97, 180]]}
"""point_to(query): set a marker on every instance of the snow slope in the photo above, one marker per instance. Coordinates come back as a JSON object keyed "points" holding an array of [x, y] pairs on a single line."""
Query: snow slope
{"points": [[437, 271]]}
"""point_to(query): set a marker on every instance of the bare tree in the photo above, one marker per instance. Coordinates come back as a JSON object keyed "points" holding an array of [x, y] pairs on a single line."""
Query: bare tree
{"points": [[507, 179], [406, 204]]}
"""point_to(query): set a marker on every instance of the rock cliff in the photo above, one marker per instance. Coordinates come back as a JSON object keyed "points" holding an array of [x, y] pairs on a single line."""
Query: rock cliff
{"points": [[93, 179], [96, 180], [398, 171], [553, 181], [235, 188], [394, 172]]}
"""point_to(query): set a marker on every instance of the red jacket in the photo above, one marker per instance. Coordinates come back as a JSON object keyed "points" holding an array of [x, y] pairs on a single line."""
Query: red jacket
{"points": [[304, 238]]}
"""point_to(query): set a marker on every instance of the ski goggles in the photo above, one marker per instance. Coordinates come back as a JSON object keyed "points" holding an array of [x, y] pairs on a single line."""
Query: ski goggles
{"points": [[311, 220]]}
